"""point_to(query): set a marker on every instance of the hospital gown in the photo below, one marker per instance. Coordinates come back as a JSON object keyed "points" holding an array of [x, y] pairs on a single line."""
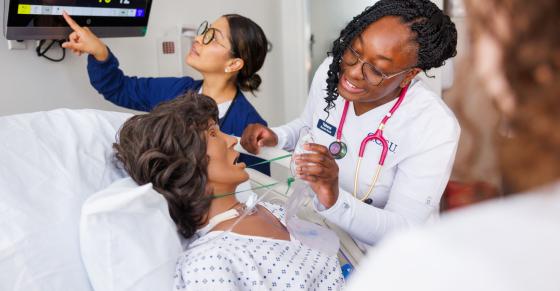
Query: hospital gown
{"points": [[230, 261]]}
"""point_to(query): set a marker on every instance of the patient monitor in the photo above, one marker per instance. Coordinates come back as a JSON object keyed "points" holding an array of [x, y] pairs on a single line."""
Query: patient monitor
{"points": [[42, 19]]}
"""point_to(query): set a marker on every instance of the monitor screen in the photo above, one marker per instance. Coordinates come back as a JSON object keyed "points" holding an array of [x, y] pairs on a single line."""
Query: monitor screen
{"points": [[42, 19]]}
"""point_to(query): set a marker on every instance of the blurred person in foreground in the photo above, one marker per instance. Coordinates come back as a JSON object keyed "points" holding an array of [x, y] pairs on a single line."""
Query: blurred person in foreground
{"points": [[512, 243]]}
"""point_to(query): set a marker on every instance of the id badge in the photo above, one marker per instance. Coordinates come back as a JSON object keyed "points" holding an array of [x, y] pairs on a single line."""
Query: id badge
{"points": [[326, 127]]}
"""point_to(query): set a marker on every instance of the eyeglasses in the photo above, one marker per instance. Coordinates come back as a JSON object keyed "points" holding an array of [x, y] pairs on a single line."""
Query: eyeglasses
{"points": [[370, 72], [208, 34]]}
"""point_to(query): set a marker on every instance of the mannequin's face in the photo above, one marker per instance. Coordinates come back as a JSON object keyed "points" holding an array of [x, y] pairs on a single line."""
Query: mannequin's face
{"points": [[223, 169], [215, 56]]}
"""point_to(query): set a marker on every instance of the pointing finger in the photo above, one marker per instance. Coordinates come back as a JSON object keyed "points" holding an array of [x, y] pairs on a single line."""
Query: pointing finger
{"points": [[71, 22]]}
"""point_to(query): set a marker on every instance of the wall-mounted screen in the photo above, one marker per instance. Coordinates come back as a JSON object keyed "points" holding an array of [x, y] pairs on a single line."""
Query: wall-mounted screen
{"points": [[42, 19]]}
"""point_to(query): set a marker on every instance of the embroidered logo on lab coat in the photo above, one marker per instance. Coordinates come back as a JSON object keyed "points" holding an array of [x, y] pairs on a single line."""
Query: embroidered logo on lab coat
{"points": [[392, 146]]}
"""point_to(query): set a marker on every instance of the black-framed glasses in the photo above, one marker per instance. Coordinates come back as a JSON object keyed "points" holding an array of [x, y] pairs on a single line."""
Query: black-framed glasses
{"points": [[372, 75], [208, 34]]}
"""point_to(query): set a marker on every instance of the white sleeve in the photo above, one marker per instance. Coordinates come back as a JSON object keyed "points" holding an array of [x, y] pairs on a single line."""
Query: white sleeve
{"points": [[288, 134], [417, 188]]}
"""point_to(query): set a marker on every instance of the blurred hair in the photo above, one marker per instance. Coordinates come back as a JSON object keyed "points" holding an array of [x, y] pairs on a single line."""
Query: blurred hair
{"points": [[167, 147], [248, 43], [530, 157]]}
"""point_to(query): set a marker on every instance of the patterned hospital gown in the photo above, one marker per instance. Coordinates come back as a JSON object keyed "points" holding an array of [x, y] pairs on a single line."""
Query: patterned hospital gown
{"points": [[230, 261]]}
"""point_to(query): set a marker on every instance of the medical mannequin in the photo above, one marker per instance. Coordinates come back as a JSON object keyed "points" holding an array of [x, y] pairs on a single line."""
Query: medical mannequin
{"points": [[179, 148], [372, 71], [228, 53], [510, 244]]}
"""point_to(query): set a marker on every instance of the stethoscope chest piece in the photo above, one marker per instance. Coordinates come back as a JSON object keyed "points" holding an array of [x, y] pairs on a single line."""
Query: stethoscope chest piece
{"points": [[338, 149]]}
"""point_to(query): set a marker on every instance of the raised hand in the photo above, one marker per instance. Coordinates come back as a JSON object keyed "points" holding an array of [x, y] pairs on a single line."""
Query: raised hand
{"points": [[256, 136], [83, 40], [320, 170]]}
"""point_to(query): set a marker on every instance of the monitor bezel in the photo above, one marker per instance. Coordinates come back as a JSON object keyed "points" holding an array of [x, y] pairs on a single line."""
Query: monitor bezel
{"points": [[14, 28]]}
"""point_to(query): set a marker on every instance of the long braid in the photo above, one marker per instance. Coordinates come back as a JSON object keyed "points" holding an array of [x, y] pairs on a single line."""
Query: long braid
{"points": [[433, 31]]}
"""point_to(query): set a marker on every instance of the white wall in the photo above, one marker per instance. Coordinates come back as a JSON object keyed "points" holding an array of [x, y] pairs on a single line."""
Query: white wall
{"points": [[328, 18], [29, 83], [295, 57]]}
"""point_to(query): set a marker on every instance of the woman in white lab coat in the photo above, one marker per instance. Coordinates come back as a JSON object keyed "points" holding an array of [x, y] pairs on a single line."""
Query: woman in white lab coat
{"points": [[373, 69]]}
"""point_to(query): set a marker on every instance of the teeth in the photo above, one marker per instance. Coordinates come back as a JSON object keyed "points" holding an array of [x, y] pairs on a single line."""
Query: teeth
{"points": [[350, 85]]}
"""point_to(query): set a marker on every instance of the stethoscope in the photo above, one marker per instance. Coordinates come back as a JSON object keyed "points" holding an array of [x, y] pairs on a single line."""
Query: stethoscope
{"points": [[338, 148]]}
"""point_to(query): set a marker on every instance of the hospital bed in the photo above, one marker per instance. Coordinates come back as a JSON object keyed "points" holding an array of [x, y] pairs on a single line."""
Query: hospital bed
{"points": [[52, 163]]}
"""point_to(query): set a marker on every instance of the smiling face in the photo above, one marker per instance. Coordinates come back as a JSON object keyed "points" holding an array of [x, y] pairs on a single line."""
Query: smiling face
{"points": [[388, 45], [214, 56], [223, 169]]}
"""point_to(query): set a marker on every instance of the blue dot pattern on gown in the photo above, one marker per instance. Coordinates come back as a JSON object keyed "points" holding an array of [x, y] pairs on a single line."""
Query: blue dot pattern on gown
{"points": [[231, 261]]}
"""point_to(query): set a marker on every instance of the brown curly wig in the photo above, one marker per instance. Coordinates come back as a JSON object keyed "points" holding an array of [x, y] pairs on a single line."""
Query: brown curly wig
{"points": [[167, 147]]}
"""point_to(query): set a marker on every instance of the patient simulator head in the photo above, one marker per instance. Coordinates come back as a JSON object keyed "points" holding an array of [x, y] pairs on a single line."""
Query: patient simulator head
{"points": [[179, 148]]}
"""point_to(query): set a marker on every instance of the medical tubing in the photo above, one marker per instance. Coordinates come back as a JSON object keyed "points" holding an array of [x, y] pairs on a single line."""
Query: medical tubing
{"points": [[233, 193], [260, 187], [289, 181], [270, 161], [247, 211]]}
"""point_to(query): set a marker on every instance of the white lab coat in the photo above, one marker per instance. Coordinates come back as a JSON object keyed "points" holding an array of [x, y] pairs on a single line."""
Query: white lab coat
{"points": [[423, 135]]}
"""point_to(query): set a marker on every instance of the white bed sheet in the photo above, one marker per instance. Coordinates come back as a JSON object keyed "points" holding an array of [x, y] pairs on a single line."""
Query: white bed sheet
{"points": [[50, 163]]}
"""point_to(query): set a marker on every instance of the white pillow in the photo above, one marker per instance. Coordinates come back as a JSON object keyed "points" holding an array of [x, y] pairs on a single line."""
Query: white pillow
{"points": [[128, 239], [50, 163]]}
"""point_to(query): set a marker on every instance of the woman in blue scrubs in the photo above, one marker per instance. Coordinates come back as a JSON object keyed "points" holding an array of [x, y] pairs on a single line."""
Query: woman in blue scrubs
{"points": [[228, 53]]}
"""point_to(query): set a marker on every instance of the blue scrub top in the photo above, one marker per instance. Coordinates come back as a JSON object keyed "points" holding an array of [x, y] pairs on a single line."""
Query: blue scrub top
{"points": [[143, 94]]}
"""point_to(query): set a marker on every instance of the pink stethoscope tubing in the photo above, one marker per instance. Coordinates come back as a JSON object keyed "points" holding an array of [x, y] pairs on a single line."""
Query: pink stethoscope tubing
{"points": [[378, 135]]}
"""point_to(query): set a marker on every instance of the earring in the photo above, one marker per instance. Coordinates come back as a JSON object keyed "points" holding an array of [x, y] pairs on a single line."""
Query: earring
{"points": [[226, 70]]}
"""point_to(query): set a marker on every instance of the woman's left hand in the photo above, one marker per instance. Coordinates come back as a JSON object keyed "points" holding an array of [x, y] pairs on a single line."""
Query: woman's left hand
{"points": [[320, 170]]}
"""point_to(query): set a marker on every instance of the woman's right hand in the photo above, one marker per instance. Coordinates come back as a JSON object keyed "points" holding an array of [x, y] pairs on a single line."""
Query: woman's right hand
{"points": [[256, 136], [83, 40]]}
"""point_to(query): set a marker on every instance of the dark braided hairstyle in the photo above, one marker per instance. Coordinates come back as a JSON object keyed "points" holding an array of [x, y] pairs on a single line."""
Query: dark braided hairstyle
{"points": [[434, 32], [167, 147]]}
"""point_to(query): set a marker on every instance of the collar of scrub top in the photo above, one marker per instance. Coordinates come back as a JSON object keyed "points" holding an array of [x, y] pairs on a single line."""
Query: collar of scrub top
{"points": [[223, 119], [378, 135]]}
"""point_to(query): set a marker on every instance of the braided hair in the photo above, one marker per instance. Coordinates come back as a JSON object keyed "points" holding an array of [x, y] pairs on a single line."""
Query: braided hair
{"points": [[433, 31]]}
